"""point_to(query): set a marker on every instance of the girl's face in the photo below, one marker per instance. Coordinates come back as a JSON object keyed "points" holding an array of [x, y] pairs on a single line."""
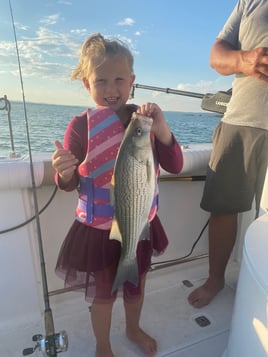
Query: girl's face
{"points": [[110, 83]]}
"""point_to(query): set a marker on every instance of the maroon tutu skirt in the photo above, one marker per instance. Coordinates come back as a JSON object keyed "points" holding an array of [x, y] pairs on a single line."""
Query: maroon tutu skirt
{"points": [[88, 260]]}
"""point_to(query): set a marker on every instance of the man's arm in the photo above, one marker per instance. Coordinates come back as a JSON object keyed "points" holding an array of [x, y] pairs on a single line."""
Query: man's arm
{"points": [[226, 60]]}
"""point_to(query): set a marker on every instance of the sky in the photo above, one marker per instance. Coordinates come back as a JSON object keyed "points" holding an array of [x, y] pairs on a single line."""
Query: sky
{"points": [[170, 41]]}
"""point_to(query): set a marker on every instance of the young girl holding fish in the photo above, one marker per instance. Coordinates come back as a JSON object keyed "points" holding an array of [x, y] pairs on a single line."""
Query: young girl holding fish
{"points": [[85, 161]]}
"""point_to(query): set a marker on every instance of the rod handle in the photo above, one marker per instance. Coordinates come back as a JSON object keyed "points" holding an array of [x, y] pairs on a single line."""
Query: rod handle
{"points": [[49, 324]]}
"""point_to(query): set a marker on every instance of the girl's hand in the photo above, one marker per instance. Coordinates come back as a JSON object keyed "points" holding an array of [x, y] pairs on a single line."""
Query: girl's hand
{"points": [[159, 127], [64, 162]]}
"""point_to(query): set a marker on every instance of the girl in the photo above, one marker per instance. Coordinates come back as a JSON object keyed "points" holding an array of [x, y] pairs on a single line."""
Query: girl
{"points": [[91, 141]]}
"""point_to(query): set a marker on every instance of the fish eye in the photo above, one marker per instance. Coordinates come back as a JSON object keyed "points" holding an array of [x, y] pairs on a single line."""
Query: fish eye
{"points": [[138, 131]]}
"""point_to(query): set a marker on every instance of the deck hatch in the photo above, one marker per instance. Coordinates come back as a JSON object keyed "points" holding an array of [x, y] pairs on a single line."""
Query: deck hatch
{"points": [[202, 321]]}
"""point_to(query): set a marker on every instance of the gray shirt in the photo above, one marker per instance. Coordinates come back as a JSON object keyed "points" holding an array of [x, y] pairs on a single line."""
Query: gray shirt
{"points": [[246, 29]]}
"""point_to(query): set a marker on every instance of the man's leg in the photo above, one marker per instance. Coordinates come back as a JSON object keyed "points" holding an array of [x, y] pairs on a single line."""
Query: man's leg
{"points": [[222, 236]]}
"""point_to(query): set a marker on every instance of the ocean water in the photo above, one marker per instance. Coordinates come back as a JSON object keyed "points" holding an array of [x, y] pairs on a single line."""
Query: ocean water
{"points": [[47, 122]]}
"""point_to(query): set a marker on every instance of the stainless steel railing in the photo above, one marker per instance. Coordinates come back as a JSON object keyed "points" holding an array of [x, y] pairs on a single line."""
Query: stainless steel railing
{"points": [[5, 105]]}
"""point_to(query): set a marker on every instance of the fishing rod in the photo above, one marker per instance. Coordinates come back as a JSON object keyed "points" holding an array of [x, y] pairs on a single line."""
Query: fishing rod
{"points": [[52, 343], [169, 91], [216, 102]]}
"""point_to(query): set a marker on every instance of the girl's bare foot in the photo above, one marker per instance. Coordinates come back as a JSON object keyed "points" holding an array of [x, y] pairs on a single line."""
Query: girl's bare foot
{"points": [[145, 342], [104, 351], [203, 295]]}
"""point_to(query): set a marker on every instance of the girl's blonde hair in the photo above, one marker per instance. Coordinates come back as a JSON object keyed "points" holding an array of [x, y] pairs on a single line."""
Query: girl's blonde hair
{"points": [[95, 50]]}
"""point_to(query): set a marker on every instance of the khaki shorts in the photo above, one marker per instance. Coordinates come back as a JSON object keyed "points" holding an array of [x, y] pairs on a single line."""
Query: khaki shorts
{"points": [[236, 170]]}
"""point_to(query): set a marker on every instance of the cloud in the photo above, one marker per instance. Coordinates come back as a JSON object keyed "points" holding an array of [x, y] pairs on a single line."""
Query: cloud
{"points": [[64, 2], [126, 22], [48, 54], [203, 87], [79, 31], [50, 20], [21, 27]]}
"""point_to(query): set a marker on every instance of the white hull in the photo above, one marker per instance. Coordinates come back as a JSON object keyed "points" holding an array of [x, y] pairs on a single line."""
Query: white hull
{"points": [[166, 315]]}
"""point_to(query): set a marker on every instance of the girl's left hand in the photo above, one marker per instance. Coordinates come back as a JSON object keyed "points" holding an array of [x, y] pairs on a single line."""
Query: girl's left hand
{"points": [[159, 127], [151, 110]]}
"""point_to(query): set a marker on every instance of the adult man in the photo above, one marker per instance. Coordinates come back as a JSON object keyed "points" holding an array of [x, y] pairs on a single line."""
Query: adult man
{"points": [[239, 158]]}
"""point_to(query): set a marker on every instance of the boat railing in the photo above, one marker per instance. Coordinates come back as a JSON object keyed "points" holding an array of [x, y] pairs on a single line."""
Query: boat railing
{"points": [[5, 105]]}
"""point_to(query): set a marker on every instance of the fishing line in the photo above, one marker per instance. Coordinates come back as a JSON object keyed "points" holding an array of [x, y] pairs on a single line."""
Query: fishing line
{"points": [[185, 256], [33, 217], [52, 342]]}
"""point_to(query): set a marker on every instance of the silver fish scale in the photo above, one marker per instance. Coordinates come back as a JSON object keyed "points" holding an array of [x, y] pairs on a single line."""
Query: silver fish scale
{"points": [[134, 193]]}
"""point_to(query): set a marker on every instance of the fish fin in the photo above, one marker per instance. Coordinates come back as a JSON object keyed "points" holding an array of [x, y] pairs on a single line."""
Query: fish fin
{"points": [[145, 234], [115, 231], [112, 199], [127, 270]]}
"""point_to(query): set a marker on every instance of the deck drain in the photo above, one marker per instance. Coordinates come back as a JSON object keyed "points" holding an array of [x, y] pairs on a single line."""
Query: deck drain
{"points": [[187, 283], [202, 321]]}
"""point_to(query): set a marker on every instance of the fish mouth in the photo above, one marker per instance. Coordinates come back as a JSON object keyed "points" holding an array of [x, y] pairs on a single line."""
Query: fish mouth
{"points": [[143, 119]]}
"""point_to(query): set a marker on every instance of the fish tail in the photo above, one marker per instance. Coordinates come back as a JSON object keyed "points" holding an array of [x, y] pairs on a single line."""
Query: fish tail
{"points": [[127, 270]]}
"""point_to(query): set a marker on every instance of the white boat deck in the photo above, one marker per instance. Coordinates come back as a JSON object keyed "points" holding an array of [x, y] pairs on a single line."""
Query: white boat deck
{"points": [[166, 316]]}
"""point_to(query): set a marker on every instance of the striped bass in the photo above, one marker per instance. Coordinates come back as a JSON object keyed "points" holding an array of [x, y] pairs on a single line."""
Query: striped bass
{"points": [[132, 192]]}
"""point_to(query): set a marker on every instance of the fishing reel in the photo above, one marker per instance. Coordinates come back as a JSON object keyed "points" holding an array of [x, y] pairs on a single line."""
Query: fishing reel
{"points": [[49, 345]]}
